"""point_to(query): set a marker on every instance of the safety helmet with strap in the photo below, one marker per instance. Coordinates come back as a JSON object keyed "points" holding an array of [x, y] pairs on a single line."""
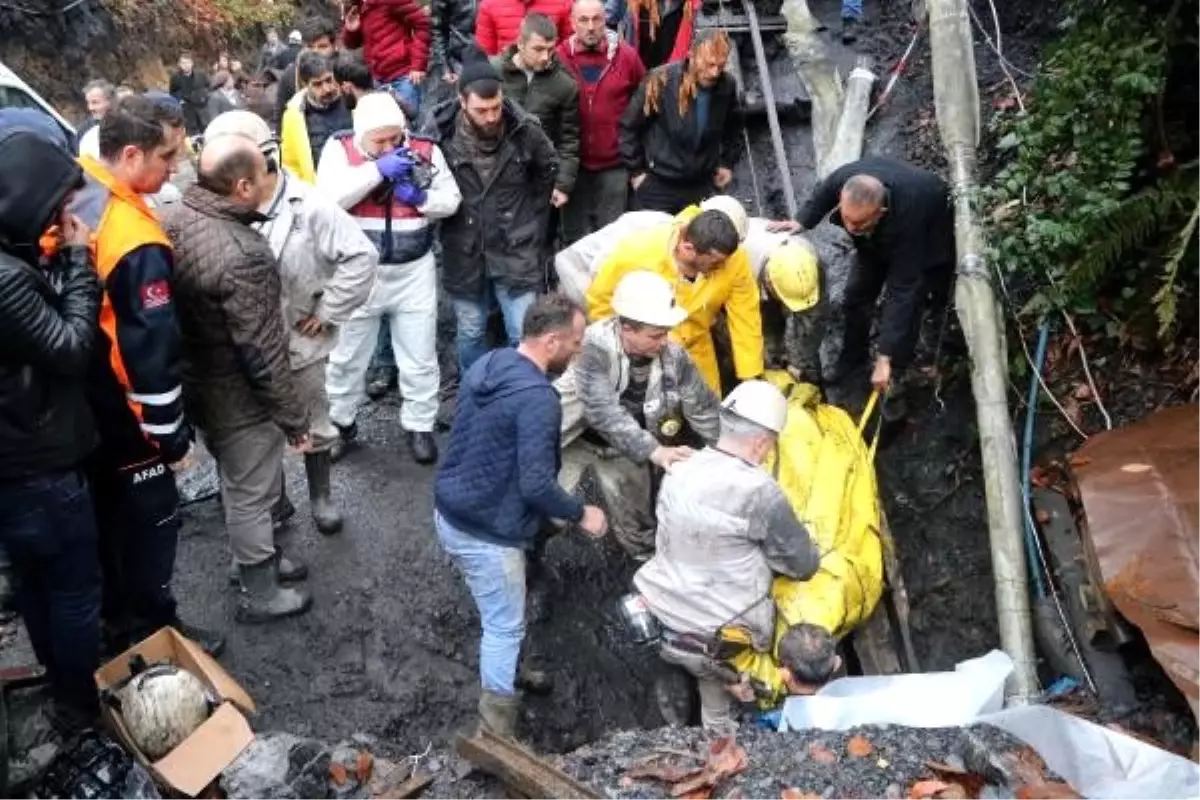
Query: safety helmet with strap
{"points": [[648, 298], [758, 402]]}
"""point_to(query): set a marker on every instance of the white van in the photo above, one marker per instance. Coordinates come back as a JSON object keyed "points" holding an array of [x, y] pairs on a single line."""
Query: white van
{"points": [[16, 93]]}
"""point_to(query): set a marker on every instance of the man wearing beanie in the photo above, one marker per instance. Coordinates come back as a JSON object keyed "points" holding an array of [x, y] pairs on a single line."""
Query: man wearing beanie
{"points": [[505, 166], [393, 185]]}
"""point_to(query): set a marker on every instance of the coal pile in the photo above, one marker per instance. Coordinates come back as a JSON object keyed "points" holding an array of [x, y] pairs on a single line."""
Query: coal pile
{"points": [[869, 761]]}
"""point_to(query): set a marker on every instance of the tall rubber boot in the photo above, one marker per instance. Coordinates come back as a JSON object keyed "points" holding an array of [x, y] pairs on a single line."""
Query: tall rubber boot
{"points": [[325, 513], [498, 713], [290, 569], [262, 598]]}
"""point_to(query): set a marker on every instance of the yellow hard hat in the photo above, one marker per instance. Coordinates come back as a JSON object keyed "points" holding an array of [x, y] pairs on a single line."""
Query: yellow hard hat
{"points": [[793, 273]]}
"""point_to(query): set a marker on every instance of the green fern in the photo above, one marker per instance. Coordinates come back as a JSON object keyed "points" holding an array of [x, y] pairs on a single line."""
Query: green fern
{"points": [[1165, 299]]}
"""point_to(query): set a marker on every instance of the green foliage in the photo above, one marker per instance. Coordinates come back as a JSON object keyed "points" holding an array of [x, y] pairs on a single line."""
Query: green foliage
{"points": [[1062, 212]]}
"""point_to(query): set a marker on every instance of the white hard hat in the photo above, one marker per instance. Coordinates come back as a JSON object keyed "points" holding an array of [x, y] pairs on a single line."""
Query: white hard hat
{"points": [[648, 298], [295, 37], [758, 402], [163, 706], [243, 123], [731, 207]]}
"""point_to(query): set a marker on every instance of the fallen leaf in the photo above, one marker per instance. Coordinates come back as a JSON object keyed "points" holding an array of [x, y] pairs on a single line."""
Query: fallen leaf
{"points": [[1039, 477], [1047, 790], [364, 765], [1043, 516], [1076, 460], [859, 747], [796, 794], [663, 771], [1073, 411], [963, 784], [821, 754], [337, 773], [955, 791], [923, 790], [1082, 392], [702, 793], [1025, 766]]}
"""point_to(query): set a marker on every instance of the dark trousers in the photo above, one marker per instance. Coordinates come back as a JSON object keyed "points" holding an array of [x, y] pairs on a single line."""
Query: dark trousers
{"points": [[137, 512], [865, 284], [657, 194], [599, 198], [47, 526]]}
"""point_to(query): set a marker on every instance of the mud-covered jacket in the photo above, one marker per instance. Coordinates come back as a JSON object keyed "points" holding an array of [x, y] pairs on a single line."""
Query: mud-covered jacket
{"points": [[912, 241], [135, 387], [453, 31], [790, 339], [553, 97], [236, 371], [670, 146], [326, 264], [48, 309], [499, 230], [725, 529], [591, 391]]}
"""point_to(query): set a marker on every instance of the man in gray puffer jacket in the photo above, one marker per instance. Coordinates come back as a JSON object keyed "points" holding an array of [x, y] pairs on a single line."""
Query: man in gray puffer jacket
{"points": [[626, 399], [237, 381]]}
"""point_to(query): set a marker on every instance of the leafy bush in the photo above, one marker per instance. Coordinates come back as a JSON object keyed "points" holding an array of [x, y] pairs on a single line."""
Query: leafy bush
{"points": [[1081, 209]]}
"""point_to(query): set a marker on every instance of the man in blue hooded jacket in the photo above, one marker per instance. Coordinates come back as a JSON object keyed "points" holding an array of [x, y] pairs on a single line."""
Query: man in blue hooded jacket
{"points": [[499, 479]]}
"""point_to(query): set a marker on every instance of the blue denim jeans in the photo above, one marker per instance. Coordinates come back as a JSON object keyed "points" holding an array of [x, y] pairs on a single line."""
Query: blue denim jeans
{"points": [[409, 96], [496, 577], [852, 9], [471, 316], [48, 528]]}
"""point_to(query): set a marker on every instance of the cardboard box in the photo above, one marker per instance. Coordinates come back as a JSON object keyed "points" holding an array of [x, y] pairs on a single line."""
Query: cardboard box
{"points": [[198, 759]]}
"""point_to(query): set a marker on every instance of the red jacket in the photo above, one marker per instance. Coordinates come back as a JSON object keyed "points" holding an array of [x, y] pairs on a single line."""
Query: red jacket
{"points": [[603, 100], [394, 36], [498, 22]]}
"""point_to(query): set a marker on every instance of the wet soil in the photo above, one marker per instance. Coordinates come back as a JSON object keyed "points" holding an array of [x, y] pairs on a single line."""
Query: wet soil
{"points": [[391, 645]]}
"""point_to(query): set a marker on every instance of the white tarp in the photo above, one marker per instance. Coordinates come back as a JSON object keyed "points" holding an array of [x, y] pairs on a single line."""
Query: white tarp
{"points": [[1096, 761]]}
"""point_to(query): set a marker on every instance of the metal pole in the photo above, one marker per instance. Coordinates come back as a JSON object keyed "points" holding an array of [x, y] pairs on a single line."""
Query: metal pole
{"points": [[956, 99], [785, 172]]}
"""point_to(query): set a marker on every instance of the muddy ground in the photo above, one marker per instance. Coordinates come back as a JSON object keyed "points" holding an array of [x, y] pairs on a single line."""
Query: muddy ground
{"points": [[391, 645]]}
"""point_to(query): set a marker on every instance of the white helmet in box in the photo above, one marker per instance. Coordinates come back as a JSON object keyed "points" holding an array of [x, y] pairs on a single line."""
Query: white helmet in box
{"points": [[162, 706], [758, 402], [649, 298]]}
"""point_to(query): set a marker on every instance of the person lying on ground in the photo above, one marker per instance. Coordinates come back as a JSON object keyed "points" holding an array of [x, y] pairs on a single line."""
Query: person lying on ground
{"points": [[631, 399]]}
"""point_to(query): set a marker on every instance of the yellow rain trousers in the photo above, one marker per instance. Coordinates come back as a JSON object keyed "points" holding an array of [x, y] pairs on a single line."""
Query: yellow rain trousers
{"points": [[731, 287], [825, 468]]}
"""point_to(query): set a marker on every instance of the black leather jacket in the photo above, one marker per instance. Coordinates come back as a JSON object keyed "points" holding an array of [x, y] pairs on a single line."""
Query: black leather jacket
{"points": [[48, 312]]}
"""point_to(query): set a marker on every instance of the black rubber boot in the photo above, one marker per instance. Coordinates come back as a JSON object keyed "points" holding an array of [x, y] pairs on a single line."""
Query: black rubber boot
{"points": [[325, 513], [262, 598], [423, 447], [346, 438], [283, 511], [380, 380]]}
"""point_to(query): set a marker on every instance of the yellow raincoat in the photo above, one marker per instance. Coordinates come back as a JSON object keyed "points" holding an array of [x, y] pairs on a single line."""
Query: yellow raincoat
{"points": [[294, 147], [825, 469], [731, 287]]}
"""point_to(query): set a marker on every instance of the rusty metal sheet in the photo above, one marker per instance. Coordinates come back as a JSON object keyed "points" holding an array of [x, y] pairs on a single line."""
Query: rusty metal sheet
{"points": [[1140, 490]]}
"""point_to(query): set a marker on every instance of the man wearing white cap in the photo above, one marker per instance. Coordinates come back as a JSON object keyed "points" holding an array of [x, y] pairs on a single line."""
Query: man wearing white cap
{"points": [[627, 398], [393, 185], [327, 268], [725, 529]]}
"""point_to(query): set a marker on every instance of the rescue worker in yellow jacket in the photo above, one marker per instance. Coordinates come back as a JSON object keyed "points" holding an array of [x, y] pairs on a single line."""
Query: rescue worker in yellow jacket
{"points": [[826, 471], [312, 116], [710, 272]]}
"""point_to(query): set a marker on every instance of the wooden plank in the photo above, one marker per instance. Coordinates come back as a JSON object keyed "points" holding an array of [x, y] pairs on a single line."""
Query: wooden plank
{"points": [[518, 768]]}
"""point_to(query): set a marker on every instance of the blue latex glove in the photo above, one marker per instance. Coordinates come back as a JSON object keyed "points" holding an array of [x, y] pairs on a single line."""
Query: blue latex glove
{"points": [[409, 194], [395, 166]]}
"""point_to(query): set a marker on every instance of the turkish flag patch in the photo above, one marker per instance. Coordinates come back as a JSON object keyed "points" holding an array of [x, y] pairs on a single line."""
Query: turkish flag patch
{"points": [[156, 294]]}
